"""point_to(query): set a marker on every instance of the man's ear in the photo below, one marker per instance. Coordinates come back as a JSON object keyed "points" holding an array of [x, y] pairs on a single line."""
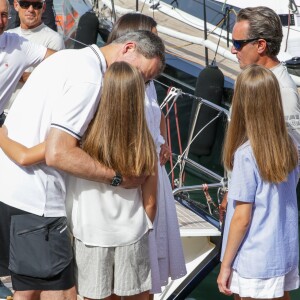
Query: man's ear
{"points": [[16, 5], [128, 47], [44, 6], [261, 46]]}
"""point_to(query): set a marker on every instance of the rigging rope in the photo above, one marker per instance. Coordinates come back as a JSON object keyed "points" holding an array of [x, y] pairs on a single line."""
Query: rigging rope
{"points": [[186, 149], [173, 96]]}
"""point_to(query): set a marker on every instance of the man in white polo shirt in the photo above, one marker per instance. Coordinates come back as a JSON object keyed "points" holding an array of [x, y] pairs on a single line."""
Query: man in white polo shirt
{"points": [[58, 110], [16, 55]]}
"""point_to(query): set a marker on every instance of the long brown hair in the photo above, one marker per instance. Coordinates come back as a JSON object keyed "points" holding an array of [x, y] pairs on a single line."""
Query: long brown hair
{"points": [[257, 116], [118, 136]]}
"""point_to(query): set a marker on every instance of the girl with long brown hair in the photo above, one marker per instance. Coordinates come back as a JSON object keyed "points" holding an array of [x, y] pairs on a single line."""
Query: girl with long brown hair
{"points": [[165, 247], [260, 243]]}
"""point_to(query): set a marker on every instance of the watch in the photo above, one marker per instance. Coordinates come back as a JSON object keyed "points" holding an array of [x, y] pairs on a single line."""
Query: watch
{"points": [[117, 180]]}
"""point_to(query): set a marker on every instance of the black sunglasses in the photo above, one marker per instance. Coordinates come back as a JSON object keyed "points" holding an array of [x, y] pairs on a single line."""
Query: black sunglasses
{"points": [[27, 4], [238, 44]]}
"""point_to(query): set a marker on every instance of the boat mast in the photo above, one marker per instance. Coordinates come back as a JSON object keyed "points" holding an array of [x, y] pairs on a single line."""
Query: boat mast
{"points": [[205, 31], [113, 10]]}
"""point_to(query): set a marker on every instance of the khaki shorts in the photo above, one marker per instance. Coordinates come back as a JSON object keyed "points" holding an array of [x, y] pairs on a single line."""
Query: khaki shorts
{"points": [[124, 271]]}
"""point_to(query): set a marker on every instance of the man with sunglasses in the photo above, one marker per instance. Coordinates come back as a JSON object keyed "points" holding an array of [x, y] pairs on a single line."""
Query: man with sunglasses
{"points": [[256, 38], [48, 17], [33, 29], [16, 55]]}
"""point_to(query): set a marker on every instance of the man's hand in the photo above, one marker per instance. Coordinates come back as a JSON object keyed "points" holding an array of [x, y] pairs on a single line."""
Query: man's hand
{"points": [[133, 182]]}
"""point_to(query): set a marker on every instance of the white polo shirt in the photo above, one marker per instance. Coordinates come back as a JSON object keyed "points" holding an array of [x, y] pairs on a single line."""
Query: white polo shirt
{"points": [[16, 55], [62, 92]]}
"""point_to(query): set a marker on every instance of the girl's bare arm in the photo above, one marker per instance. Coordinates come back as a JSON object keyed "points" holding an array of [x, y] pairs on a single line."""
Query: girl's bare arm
{"points": [[149, 189], [238, 228], [19, 153]]}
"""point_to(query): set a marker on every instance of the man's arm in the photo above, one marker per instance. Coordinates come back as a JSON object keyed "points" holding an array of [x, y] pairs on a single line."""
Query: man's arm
{"points": [[165, 151], [63, 152], [49, 52], [26, 75]]}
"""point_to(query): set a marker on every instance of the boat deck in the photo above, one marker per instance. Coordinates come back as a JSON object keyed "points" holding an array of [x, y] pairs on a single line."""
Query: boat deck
{"points": [[174, 45], [191, 224]]}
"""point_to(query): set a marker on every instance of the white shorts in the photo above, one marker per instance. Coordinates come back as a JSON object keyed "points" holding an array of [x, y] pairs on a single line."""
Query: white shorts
{"points": [[102, 271], [264, 288]]}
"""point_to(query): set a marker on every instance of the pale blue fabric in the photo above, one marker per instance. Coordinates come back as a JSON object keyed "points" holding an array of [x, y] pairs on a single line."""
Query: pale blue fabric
{"points": [[270, 247]]}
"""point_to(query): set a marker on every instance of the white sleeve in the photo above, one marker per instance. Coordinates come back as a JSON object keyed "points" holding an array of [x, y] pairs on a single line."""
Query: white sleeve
{"points": [[33, 53], [56, 43], [78, 106]]}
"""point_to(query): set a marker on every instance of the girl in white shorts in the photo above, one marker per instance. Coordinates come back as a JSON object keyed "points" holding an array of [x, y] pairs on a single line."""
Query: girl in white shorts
{"points": [[260, 251], [110, 223]]}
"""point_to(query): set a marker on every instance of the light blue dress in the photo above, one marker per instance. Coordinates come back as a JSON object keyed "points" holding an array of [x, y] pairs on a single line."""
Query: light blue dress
{"points": [[270, 247]]}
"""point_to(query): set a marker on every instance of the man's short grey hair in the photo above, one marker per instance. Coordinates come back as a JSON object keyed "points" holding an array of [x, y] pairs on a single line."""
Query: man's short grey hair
{"points": [[264, 23], [147, 43]]}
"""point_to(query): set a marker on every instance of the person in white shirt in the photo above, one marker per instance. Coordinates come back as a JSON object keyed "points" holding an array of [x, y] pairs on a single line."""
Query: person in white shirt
{"points": [[16, 55], [256, 37], [33, 29]]}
